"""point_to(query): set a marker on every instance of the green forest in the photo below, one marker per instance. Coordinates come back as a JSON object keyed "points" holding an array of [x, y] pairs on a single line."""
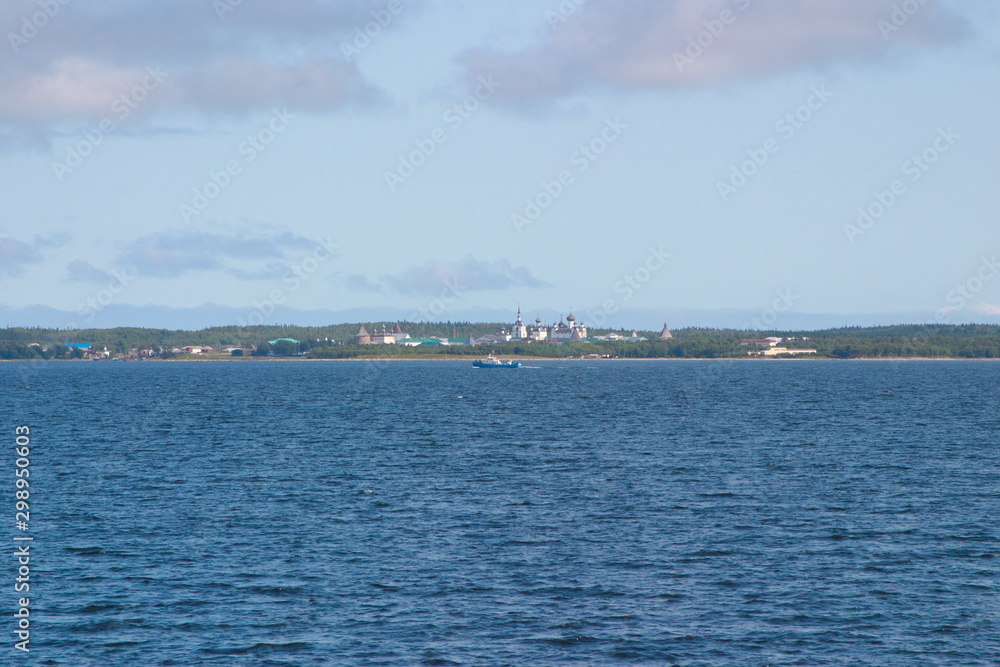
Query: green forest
{"points": [[971, 341]]}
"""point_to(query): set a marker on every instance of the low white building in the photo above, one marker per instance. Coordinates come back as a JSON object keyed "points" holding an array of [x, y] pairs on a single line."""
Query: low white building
{"points": [[775, 351]]}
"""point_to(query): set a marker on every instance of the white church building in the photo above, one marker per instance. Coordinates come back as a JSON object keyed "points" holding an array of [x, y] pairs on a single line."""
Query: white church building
{"points": [[562, 331]]}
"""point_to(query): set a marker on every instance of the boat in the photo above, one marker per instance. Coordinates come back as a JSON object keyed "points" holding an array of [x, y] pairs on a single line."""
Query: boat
{"points": [[493, 362]]}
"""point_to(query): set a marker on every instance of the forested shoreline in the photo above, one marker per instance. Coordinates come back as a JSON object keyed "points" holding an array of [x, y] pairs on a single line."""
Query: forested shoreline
{"points": [[969, 341]]}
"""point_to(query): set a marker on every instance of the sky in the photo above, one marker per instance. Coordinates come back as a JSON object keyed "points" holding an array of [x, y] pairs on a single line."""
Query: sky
{"points": [[763, 164]]}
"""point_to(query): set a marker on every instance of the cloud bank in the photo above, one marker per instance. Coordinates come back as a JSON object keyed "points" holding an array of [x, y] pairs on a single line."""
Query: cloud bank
{"points": [[666, 44], [17, 255], [466, 275], [245, 255], [80, 271], [68, 64], [168, 255]]}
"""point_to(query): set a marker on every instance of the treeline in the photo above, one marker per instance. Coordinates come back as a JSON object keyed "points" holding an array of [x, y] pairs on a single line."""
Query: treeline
{"points": [[973, 341], [692, 348], [908, 346], [22, 351], [967, 341], [120, 340]]}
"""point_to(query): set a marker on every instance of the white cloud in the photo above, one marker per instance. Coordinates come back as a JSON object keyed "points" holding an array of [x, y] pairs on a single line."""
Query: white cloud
{"points": [[16, 255], [986, 309], [258, 56], [465, 275], [635, 45], [169, 255], [79, 271]]}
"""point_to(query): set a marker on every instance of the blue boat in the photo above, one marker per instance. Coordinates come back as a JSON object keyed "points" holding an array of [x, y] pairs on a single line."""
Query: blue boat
{"points": [[493, 362]]}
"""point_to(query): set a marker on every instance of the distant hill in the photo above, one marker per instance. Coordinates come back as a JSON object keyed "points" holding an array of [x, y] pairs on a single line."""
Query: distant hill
{"points": [[212, 315]]}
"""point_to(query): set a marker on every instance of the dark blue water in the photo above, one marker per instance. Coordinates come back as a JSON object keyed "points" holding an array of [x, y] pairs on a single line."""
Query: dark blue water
{"points": [[429, 513]]}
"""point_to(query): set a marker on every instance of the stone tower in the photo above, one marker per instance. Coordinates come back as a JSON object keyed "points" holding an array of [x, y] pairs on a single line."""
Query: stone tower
{"points": [[362, 337]]}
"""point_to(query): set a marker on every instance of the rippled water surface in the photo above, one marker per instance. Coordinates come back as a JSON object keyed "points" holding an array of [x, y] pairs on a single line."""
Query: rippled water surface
{"points": [[430, 513]]}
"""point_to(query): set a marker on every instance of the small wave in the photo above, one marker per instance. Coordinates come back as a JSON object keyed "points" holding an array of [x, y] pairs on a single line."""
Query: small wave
{"points": [[260, 648], [108, 624], [86, 551], [438, 661], [714, 552], [385, 587], [566, 641], [123, 642], [669, 596], [527, 543], [631, 565], [947, 629], [97, 608], [184, 604]]}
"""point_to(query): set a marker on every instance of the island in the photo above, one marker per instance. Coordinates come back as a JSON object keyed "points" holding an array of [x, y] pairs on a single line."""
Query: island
{"points": [[564, 339]]}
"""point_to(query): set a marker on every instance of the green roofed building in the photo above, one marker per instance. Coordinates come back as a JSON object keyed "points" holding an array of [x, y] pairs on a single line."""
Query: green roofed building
{"points": [[468, 340], [278, 340], [417, 342]]}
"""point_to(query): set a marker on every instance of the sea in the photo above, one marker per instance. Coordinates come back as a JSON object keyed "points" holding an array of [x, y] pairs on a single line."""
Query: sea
{"points": [[605, 512]]}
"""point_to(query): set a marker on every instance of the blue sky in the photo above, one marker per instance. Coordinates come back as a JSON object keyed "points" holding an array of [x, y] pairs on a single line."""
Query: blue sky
{"points": [[708, 163]]}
